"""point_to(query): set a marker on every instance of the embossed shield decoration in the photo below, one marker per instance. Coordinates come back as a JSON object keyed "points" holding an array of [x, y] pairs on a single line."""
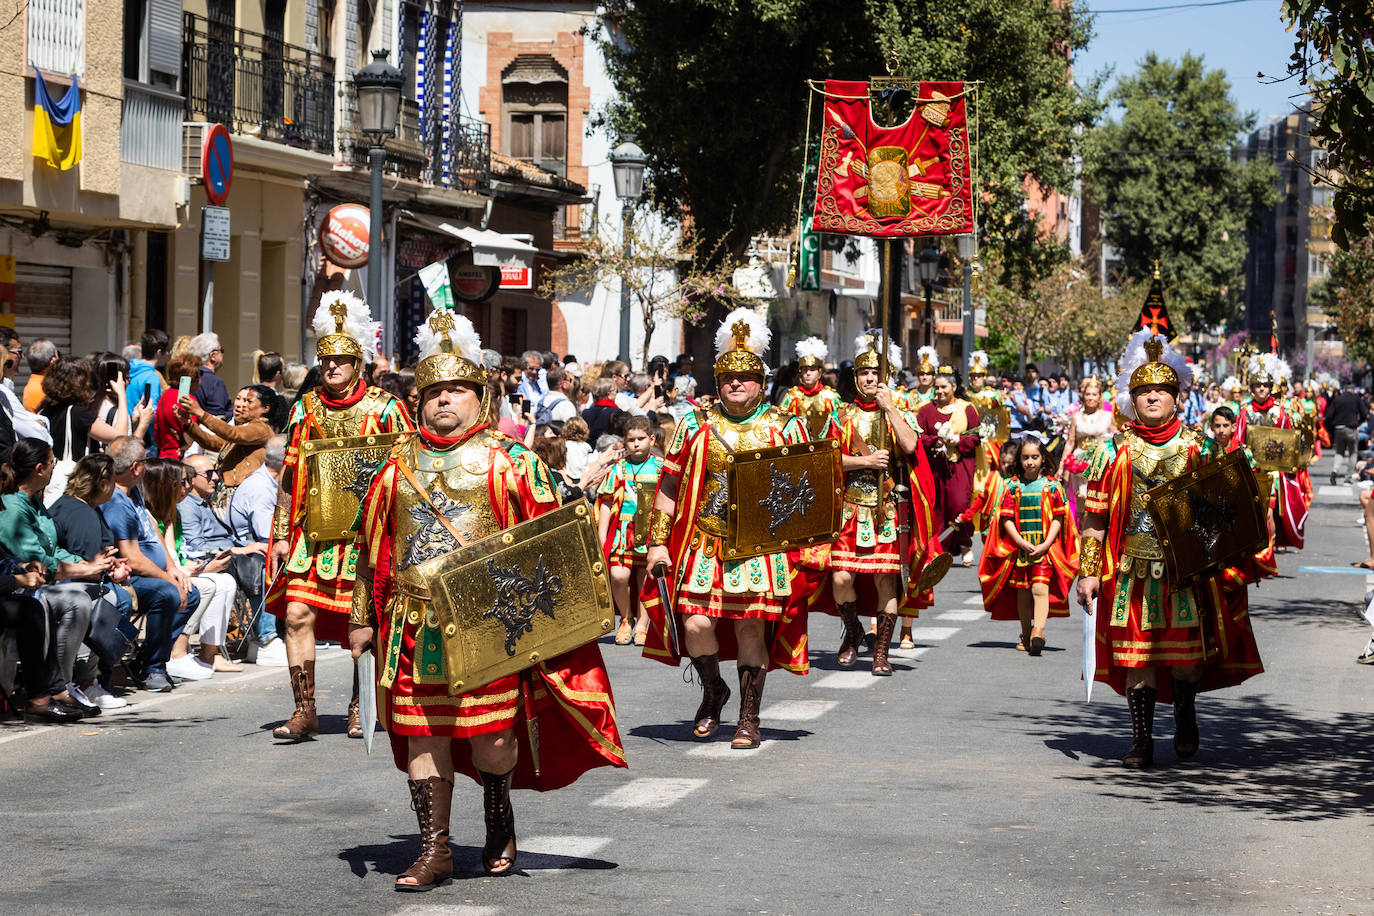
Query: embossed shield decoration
{"points": [[514, 599], [783, 498], [1275, 449], [340, 472], [1209, 517]]}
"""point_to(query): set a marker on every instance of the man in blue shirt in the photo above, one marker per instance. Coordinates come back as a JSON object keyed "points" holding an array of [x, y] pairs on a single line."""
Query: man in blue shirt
{"points": [[167, 598], [143, 378]]}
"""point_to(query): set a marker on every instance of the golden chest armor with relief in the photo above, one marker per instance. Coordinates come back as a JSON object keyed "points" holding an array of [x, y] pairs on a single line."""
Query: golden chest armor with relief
{"points": [[1152, 465], [1268, 417], [861, 487], [728, 436], [332, 423], [815, 409], [455, 484]]}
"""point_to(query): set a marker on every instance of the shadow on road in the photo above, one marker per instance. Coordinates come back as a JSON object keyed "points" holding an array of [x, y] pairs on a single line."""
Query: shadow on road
{"points": [[682, 732], [395, 857], [1324, 613], [1256, 756]]}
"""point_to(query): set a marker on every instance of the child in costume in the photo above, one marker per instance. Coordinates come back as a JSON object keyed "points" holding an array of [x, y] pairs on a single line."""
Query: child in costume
{"points": [[628, 492], [1027, 570]]}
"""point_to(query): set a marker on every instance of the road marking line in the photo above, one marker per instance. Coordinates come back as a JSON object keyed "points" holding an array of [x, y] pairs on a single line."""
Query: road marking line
{"points": [[718, 750], [909, 653], [798, 710], [976, 599], [847, 680], [650, 793], [935, 634], [970, 614], [434, 909], [564, 847]]}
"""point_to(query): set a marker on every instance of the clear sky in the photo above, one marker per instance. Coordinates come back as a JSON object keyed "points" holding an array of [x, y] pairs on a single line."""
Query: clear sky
{"points": [[1241, 38]]}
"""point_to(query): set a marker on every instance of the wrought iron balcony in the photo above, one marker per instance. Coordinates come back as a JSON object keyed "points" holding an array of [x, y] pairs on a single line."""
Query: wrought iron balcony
{"points": [[257, 85], [410, 155]]}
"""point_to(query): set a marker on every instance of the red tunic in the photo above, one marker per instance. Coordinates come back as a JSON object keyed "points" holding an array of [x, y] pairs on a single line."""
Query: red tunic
{"points": [[953, 469], [1291, 500], [1000, 577]]}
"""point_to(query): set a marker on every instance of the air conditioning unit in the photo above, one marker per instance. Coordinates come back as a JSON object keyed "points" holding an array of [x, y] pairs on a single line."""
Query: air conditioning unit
{"points": [[192, 139]]}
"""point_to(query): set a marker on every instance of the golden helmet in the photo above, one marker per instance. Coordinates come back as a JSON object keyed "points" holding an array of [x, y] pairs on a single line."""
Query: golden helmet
{"points": [[741, 341], [811, 353], [344, 327], [450, 351]]}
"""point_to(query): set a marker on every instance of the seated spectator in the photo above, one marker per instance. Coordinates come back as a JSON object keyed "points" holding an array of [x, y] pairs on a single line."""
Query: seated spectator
{"points": [[81, 529], [241, 445], [164, 485], [165, 595], [29, 534], [40, 675], [69, 397], [579, 450], [249, 516], [19, 422], [169, 429]]}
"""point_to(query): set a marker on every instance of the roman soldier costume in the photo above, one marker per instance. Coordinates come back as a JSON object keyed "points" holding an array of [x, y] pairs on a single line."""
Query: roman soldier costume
{"points": [[433, 495], [813, 405], [1290, 501], [1143, 619], [927, 363], [703, 580], [321, 562], [994, 418]]}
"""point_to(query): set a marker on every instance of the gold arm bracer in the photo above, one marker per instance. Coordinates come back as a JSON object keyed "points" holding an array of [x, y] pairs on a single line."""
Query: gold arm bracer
{"points": [[1089, 557], [660, 528]]}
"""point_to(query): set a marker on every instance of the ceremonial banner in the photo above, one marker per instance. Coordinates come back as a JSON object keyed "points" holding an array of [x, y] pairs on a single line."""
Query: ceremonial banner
{"points": [[1153, 314], [894, 182]]}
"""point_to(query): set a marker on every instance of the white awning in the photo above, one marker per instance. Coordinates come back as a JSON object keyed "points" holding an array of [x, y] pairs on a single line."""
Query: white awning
{"points": [[483, 239]]}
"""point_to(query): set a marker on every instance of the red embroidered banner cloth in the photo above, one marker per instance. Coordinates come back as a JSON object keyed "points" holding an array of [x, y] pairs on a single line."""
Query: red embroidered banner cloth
{"points": [[894, 182]]}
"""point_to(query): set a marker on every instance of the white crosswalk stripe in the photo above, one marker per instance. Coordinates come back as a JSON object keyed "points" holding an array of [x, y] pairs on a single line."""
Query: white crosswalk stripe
{"points": [[976, 599], [965, 615], [932, 634], [570, 847], [797, 710], [448, 909], [717, 750], [848, 680], [909, 654], [650, 793]]}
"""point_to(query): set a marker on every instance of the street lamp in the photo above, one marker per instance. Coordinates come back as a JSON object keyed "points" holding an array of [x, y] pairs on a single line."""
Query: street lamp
{"points": [[968, 250], [627, 165], [379, 106], [929, 267]]}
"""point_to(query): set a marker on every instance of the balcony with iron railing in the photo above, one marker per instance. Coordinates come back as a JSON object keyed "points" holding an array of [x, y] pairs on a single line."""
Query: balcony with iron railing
{"points": [[257, 85], [410, 155]]}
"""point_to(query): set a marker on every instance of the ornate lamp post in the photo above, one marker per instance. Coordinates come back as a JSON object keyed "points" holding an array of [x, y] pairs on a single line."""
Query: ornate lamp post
{"points": [[627, 165], [379, 107], [928, 263]]}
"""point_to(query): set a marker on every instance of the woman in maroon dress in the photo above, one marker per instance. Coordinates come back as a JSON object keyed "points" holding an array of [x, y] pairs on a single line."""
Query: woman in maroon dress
{"points": [[948, 427]]}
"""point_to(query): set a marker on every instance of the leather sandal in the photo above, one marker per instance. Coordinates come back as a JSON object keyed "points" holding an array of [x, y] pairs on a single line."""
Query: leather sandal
{"points": [[852, 637], [1037, 641], [715, 693], [625, 634], [303, 724], [431, 799], [500, 817], [747, 735]]}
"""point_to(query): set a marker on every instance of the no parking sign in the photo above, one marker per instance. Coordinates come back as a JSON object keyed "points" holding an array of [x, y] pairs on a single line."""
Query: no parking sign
{"points": [[216, 163]]}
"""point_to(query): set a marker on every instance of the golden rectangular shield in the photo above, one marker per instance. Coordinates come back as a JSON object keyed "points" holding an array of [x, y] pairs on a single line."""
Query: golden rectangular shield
{"points": [[340, 472], [783, 498], [1275, 449], [1209, 518], [521, 596]]}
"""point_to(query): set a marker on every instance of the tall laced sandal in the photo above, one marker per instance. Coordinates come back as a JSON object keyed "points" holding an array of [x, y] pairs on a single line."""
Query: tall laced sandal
{"points": [[751, 678], [431, 799], [715, 693], [886, 624], [500, 816], [1141, 701], [303, 724], [853, 636], [1185, 719]]}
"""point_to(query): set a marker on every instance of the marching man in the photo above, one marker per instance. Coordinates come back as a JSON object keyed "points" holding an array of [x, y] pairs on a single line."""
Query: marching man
{"points": [[811, 399]]}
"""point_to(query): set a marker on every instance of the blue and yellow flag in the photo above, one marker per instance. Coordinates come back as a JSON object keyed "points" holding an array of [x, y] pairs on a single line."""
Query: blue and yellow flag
{"points": [[56, 125]]}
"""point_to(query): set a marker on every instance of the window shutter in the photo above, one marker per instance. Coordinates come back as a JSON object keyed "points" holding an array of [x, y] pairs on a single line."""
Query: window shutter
{"points": [[164, 38]]}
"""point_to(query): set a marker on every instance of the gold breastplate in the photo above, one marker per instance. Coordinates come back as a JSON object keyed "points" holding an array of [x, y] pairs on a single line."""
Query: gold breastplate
{"points": [[815, 411], [350, 421], [726, 437], [862, 488], [455, 484], [1150, 466]]}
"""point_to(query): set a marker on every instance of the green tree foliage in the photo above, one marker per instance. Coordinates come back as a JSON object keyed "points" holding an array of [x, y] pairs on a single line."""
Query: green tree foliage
{"points": [[1169, 188], [1333, 56], [715, 93], [1348, 296]]}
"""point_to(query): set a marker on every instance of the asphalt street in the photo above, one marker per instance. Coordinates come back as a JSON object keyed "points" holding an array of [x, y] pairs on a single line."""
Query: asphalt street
{"points": [[975, 780]]}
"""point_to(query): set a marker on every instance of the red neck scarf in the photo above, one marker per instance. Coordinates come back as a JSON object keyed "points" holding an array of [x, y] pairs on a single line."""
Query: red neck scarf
{"points": [[864, 403], [348, 400], [435, 442], [812, 391], [1158, 435], [605, 402], [1262, 406]]}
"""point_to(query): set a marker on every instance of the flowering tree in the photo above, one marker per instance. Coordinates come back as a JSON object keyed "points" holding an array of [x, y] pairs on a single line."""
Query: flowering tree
{"points": [[660, 272]]}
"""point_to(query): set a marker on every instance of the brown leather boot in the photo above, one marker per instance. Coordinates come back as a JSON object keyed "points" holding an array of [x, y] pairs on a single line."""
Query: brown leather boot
{"points": [[715, 693], [1185, 718], [750, 699], [303, 723], [887, 623], [853, 634], [355, 722], [431, 799], [500, 818]]}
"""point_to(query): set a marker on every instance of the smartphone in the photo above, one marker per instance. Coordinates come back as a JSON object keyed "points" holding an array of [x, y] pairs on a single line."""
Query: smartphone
{"points": [[658, 391], [143, 401], [515, 398], [184, 389]]}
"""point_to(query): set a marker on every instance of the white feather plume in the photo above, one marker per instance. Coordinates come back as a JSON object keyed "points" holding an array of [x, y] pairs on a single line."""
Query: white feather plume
{"points": [[358, 323], [1230, 384], [759, 335], [928, 356], [466, 342], [870, 342], [894, 356], [978, 358], [864, 343], [1133, 357], [812, 347]]}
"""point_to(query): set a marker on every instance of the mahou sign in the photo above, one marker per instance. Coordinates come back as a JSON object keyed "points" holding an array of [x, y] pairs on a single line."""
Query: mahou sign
{"points": [[344, 235]]}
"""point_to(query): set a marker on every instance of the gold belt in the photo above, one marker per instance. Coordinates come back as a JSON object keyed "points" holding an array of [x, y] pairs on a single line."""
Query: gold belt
{"points": [[412, 591]]}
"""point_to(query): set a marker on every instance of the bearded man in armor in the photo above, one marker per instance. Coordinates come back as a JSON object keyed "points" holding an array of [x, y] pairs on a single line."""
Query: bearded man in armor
{"points": [[312, 577]]}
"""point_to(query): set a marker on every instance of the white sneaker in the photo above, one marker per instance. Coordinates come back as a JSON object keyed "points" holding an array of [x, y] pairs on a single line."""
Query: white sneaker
{"points": [[272, 655], [189, 668], [103, 698]]}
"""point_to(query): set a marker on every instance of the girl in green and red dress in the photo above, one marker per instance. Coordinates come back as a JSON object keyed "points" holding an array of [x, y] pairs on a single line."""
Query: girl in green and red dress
{"points": [[629, 486]]}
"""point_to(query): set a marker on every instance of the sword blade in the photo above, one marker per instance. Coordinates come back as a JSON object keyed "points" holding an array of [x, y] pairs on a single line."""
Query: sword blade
{"points": [[669, 615], [367, 696]]}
